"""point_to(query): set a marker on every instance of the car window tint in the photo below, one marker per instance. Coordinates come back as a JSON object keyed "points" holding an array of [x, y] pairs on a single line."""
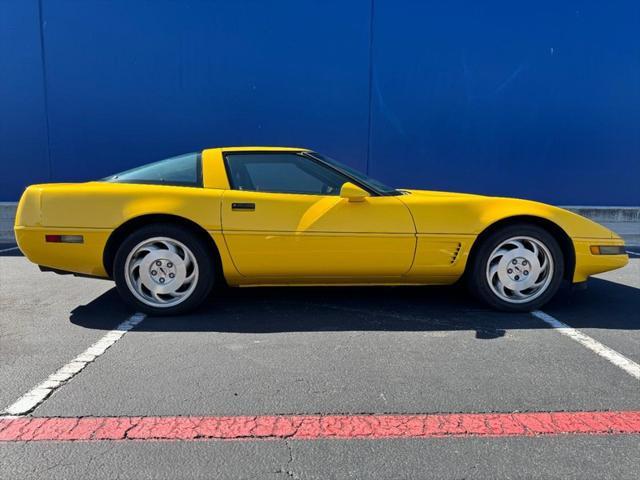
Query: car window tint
{"points": [[181, 170], [282, 173]]}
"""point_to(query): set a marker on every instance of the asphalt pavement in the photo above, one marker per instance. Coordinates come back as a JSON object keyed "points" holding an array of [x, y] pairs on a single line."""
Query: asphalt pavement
{"points": [[315, 352]]}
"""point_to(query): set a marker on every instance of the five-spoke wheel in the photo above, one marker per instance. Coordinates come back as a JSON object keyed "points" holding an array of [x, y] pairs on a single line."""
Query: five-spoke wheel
{"points": [[163, 269], [517, 268], [161, 272]]}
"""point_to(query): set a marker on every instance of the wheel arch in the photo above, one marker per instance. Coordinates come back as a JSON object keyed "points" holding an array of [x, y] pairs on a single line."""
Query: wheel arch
{"points": [[558, 233], [120, 234]]}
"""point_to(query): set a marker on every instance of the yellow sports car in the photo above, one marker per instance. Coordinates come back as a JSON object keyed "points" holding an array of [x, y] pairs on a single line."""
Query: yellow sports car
{"points": [[168, 231]]}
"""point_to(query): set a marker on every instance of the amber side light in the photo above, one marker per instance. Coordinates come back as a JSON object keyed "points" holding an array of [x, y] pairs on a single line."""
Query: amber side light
{"points": [[607, 249]]}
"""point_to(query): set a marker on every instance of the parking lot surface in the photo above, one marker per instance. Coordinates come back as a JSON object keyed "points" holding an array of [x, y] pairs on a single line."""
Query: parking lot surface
{"points": [[307, 355]]}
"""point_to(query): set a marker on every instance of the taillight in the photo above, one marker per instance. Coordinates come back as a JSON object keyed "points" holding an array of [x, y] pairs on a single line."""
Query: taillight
{"points": [[64, 238]]}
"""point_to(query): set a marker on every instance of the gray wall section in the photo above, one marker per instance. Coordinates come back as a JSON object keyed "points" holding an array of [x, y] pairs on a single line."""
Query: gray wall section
{"points": [[7, 218]]}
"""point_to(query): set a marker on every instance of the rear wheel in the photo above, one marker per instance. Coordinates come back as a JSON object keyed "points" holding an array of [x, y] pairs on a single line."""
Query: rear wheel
{"points": [[517, 268], [163, 269]]}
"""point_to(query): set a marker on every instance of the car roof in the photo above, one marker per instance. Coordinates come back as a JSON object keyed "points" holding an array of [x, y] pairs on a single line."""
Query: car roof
{"points": [[260, 149]]}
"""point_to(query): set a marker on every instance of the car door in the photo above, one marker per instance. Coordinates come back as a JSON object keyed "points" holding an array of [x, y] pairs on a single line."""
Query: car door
{"points": [[284, 217]]}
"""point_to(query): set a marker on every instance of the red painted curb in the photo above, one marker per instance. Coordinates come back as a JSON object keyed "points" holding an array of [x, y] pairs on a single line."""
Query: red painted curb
{"points": [[310, 427]]}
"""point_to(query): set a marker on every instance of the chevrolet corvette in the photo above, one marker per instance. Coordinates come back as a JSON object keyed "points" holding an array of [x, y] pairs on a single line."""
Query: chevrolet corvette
{"points": [[168, 231]]}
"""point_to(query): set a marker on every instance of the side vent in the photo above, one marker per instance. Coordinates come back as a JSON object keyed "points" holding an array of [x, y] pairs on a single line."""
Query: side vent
{"points": [[454, 256]]}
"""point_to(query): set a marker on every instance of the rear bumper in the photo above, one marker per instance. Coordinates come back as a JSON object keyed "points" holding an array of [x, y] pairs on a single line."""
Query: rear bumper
{"points": [[81, 258], [588, 264]]}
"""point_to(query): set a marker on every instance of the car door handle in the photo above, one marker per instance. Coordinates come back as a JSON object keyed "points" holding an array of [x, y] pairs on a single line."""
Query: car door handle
{"points": [[250, 207]]}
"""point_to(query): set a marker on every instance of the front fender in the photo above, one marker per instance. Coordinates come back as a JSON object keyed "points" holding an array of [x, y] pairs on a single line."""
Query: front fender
{"points": [[444, 213]]}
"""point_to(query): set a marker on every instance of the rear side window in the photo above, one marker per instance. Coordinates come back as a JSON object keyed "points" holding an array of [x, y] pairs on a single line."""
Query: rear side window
{"points": [[282, 173], [183, 170]]}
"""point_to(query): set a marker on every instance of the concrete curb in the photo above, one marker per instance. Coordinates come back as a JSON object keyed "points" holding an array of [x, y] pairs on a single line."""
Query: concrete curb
{"points": [[625, 221]]}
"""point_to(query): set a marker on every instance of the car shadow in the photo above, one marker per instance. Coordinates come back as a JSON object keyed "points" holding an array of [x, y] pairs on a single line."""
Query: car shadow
{"points": [[328, 309]]}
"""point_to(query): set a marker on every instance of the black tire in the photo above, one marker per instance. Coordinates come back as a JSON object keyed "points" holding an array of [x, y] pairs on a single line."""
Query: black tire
{"points": [[203, 257], [477, 277]]}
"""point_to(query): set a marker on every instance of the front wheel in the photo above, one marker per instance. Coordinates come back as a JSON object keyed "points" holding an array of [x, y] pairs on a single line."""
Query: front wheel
{"points": [[517, 268], [163, 270]]}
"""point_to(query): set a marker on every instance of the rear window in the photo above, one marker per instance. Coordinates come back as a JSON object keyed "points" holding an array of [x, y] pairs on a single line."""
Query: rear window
{"points": [[183, 170]]}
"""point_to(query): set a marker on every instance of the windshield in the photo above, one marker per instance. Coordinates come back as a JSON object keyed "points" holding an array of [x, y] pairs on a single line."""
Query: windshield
{"points": [[375, 185]]}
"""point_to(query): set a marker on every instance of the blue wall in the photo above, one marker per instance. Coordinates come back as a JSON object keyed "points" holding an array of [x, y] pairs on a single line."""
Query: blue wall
{"points": [[538, 100]]}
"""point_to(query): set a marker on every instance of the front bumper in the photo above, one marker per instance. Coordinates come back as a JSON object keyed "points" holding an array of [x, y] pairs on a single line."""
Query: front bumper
{"points": [[588, 264]]}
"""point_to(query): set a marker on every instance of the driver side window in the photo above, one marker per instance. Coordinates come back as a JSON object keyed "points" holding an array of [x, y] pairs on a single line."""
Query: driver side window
{"points": [[281, 173]]}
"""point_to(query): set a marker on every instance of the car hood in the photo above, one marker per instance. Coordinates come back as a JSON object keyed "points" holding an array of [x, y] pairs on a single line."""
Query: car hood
{"points": [[463, 213], [435, 193]]}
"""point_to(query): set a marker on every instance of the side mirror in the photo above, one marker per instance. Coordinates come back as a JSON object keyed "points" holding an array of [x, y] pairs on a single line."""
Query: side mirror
{"points": [[353, 193]]}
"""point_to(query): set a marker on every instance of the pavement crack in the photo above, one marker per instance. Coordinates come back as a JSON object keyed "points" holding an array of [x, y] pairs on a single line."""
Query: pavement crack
{"points": [[286, 469], [125, 434]]}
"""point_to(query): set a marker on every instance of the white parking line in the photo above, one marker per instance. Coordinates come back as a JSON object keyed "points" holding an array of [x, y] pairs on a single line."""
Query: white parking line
{"points": [[40, 393], [619, 360], [8, 249]]}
